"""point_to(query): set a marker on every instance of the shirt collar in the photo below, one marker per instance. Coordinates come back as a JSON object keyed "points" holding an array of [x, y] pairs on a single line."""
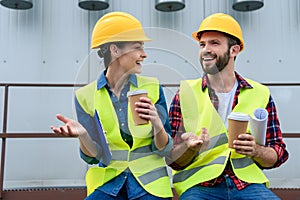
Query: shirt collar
{"points": [[242, 83], [102, 82]]}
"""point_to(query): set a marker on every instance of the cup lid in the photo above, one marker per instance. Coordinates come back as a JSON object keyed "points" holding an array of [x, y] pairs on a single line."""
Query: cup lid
{"points": [[238, 116], [136, 92]]}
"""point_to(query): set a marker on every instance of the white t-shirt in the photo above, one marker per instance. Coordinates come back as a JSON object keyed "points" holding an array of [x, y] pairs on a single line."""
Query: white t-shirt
{"points": [[225, 103]]}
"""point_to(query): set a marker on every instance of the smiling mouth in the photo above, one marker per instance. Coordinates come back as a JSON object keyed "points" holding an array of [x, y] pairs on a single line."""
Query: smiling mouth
{"points": [[208, 59]]}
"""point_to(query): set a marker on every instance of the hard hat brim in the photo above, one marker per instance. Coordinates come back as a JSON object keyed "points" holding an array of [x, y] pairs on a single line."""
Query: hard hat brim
{"points": [[127, 36]]}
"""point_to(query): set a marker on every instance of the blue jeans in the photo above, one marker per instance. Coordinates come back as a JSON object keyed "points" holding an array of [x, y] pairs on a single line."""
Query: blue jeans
{"points": [[227, 190], [122, 195]]}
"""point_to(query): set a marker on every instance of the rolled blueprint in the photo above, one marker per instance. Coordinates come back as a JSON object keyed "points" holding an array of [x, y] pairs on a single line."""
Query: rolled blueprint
{"points": [[258, 125]]}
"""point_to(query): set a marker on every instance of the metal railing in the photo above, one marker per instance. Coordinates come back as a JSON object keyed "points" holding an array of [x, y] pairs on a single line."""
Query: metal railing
{"points": [[5, 135]]}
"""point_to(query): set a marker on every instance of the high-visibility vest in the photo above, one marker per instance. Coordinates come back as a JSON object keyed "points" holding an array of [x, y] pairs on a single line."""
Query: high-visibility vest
{"points": [[148, 168], [198, 112]]}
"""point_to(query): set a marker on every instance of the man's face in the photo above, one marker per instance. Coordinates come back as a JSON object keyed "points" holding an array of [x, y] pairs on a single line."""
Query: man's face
{"points": [[214, 52]]}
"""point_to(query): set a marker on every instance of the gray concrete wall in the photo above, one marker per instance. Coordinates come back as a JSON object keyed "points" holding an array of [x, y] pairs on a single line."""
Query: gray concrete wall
{"points": [[50, 44]]}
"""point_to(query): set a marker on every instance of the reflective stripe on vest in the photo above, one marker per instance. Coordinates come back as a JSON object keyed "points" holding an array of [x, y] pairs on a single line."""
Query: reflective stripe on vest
{"points": [[120, 155], [216, 141], [185, 174], [198, 111], [241, 162], [140, 152], [152, 177]]}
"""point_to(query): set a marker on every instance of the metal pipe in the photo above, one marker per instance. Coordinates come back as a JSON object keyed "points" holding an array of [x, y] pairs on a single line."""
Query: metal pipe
{"points": [[4, 129]]}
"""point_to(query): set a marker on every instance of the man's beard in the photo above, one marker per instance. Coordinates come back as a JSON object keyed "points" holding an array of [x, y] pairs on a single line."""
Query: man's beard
{"points": [[221, 63]]}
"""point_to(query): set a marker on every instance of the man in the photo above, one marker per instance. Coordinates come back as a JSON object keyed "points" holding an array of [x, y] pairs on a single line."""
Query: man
{"points": [[206, 168]]}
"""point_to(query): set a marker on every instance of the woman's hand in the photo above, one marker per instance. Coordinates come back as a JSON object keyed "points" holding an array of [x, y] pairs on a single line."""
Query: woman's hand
{"points": [[70, 128], [148, 111]]}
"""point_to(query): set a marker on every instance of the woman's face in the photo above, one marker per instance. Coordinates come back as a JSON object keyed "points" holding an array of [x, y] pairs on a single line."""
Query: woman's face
{"points": [[131, 57]]}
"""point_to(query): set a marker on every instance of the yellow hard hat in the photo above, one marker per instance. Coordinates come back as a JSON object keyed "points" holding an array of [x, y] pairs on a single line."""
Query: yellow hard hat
{"points": [[223, 23], [117, 27]]}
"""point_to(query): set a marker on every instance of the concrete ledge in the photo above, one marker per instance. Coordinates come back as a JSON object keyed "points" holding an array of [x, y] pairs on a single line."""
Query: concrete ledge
{"points": [[65, 193], [79, 193], [287, 193]]}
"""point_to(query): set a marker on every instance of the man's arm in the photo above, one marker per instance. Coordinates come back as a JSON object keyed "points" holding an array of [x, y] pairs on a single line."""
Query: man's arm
{"points": [[266, 157], [274, 153]]}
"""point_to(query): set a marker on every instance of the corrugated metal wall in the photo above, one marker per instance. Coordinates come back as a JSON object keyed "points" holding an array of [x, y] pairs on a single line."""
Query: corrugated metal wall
{"points": [[50, 44]]}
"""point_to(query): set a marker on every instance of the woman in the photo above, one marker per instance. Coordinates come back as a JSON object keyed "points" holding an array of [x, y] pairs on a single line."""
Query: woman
{"points": [[136, 168]]}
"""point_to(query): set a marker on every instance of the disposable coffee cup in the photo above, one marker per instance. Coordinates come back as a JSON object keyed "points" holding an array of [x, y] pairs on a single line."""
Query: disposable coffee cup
{"points": [[134, 96], [237, 124]]}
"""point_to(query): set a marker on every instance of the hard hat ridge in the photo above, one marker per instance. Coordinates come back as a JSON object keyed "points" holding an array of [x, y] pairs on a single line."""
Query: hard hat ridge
{"points": [[223, 23]]}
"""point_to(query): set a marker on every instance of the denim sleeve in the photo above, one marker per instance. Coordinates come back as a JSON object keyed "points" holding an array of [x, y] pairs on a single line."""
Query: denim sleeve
{"points": [[164, 151], [88, 123], [87, 159], [162, 110]]}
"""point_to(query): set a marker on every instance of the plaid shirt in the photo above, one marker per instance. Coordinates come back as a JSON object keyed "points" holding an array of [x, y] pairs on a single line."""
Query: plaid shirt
{"points": [[273, 136]]}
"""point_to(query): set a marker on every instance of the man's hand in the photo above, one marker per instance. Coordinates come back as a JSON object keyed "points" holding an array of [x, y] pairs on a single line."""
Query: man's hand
{"points": [[246, 145], [183, 153], [195, 142]]}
